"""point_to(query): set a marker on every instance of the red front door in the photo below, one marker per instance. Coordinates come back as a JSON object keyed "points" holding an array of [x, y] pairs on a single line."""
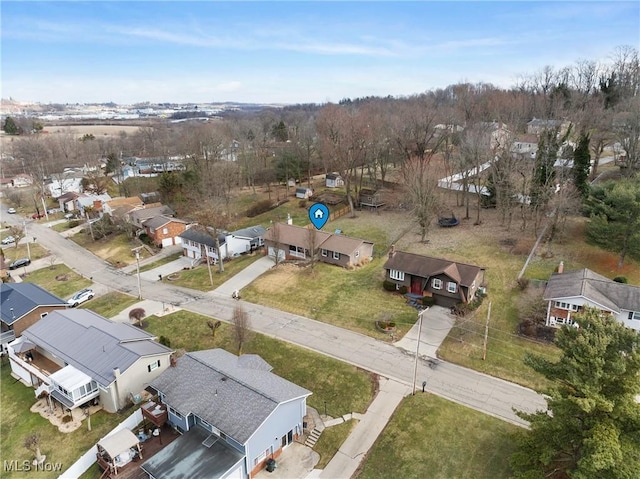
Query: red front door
{"points": [[416, 285]]}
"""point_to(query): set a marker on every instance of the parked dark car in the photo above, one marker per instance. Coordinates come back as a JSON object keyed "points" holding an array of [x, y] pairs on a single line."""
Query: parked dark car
{"points": [[19, 263]]}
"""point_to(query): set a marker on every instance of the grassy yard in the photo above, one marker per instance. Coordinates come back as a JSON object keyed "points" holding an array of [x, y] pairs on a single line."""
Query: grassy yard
{"points": [[431, 438], [349, 299], [198, 277], [18, 422], [160, 262], [12, 253], [110, 304], [46, 277], [114, 248], [331, 440], [344, 387]]}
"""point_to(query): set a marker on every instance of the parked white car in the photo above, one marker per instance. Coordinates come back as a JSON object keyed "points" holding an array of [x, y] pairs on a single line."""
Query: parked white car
{"points": [[80, 297], [8, 240]]}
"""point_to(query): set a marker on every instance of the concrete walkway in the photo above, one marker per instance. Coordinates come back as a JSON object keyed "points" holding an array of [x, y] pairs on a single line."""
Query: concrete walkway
{"points": [[348, 458], [436, 324], [244, 277]]}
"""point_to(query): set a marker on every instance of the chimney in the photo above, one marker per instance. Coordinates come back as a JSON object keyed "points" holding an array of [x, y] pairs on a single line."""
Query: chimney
{"points": [[392, 251], [561, 267], [289, 219]]}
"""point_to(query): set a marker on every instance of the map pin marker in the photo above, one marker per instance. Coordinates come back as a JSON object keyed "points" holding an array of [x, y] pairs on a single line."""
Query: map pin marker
{"points": [[319, 215]]}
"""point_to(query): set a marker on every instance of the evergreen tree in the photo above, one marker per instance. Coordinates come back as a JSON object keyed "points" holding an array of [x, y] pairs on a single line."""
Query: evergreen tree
{"points": [[10, 127], [592, 428], [581, 165], [615, 217]]}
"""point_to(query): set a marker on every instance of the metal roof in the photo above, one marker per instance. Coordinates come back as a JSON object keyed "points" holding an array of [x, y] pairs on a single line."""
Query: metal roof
{"points": [[91, 343], [18, 299]]}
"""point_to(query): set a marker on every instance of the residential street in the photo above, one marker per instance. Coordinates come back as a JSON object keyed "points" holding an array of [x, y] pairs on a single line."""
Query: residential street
{"points": [[479, 391]]}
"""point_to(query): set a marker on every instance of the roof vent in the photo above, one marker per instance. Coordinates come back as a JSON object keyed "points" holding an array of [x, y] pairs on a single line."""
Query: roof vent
{"points": [[224, 378]]}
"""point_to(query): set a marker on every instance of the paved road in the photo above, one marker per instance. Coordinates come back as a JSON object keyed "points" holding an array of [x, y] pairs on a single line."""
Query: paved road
{"points": [[476, 390]]}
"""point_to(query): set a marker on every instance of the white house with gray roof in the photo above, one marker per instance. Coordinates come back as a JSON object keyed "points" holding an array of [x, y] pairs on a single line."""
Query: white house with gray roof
{"points": [[245, 412], [569, 292], [77, 356]]}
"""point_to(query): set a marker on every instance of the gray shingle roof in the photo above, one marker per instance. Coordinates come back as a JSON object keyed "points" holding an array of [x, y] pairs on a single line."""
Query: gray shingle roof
{"points": [[199, 236], [161, 220], [235, 395], [343, 244], [91, 343], [599, 289], [426, 266], [146, 213], [295, 235], [252, 232], [23, 298]]}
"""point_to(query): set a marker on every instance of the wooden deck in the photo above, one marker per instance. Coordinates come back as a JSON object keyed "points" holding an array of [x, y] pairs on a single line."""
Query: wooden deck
{"points": [[149, 448]]}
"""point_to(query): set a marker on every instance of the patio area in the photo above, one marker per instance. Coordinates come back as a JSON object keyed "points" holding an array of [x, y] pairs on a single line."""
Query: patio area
{"points": [[65, 420]]}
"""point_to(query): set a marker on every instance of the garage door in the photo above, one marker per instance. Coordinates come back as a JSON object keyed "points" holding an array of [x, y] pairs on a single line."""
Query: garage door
{"points": [[167, 242], [237, 474], [272, 253]]}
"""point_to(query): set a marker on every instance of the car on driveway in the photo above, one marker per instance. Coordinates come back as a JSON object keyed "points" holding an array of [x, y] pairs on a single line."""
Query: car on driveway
{"points": [[8, 240], [80, 297], [19, 263], [11, 211], [69, 216]]}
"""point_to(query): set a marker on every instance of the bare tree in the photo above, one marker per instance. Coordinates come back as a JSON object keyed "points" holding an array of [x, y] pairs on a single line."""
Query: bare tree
{"points": [[312, 244], [32, 443], [213, 326], [137, 314], [17, 232], [241, 327]]}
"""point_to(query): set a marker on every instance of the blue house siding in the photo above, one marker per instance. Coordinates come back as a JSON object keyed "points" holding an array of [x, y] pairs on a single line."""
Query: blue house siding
{"points": [[287, 417]]}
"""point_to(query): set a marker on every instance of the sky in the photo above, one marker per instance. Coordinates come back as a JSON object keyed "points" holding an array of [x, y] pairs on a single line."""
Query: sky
{"points": [[292, 52]]}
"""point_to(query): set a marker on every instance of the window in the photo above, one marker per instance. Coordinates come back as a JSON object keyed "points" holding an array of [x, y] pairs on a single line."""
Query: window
{"points": [[568, 306], [452, 287], [175, 413], [165, 231], [336, 255], [323, 252], [397, 275], [436, 283], [153, 365], [634, 315]]}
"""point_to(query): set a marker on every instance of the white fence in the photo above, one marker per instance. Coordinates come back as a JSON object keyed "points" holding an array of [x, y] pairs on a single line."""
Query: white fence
{"points": [[89, 457]]}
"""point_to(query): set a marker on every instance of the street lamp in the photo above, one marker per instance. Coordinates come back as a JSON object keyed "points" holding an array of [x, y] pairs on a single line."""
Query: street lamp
{"points": [[138, 269]]}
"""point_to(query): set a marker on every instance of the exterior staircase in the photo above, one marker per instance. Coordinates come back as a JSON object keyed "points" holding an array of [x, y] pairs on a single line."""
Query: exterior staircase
{"points": [[313, 437]]}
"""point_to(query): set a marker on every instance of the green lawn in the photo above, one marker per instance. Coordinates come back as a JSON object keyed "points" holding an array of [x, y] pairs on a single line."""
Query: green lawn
{"points": [[198, 277], [12, 253], [18, 422], [160, 262], [348, 299], [331, 440], [344, 387], [46, 277], [114, 248], [432, 438], [110, 304]]}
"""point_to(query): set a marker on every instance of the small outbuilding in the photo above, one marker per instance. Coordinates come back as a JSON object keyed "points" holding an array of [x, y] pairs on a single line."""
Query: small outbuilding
{"points": [[333, 180], [304, 193]]}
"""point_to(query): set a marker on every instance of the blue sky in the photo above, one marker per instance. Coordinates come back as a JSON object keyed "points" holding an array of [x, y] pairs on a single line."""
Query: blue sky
{"points": [[292, 52]]}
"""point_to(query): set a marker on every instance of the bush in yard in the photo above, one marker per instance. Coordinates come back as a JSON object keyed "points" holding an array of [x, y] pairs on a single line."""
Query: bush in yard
{"points": [[403, 289], [165, 341], [620, 279], [302, 203], [389, 285], [523, 283], [260, 207], [428, 301]]}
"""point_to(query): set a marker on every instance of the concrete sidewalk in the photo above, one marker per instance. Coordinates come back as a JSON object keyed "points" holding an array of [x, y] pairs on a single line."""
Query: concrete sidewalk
{"points": [[436, 324], [348, 458]]}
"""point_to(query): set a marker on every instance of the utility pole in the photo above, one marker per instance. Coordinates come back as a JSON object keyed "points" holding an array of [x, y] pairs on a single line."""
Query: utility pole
{"points": [[136, 251], [415, 364], [486, 334], [24, 229]]}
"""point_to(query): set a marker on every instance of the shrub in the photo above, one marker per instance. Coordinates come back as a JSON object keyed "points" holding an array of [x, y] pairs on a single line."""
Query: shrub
{"points": [[428, 301], [403, 289], [258, 208], [523, 283], [620, 279], [302, 203], [389, 285], [165, 341], [73, 223]]}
